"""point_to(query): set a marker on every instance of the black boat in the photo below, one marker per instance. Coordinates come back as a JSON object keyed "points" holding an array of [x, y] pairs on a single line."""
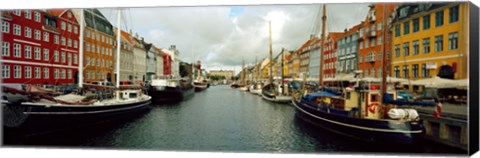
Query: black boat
{"points": [[42, 114], [169, 90], [200, 85]]}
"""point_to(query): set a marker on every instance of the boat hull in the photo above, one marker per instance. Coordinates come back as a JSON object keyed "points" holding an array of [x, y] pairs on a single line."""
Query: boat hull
{"points": [[166, 95], [37, 119], [396, 132], [277, 99]]}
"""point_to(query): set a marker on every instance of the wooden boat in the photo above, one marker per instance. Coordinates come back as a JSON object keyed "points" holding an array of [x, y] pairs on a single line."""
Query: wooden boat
{"points": [[273, 92], [362, 111], [200, 85], [33, 111]]}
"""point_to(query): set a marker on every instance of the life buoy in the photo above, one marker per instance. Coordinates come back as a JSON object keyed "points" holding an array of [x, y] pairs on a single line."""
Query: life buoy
{"points": [[372, 107]]}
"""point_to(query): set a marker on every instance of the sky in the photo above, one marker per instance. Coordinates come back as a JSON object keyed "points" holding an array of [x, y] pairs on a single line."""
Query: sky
{"points": [[221, 36]]}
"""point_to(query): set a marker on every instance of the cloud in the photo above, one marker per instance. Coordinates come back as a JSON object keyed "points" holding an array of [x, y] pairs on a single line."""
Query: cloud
{"points": [[220, 36]]}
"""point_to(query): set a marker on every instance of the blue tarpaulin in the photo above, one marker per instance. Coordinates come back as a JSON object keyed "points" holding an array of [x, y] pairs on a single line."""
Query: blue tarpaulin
{"points": [[311, 96], [389, 100]]}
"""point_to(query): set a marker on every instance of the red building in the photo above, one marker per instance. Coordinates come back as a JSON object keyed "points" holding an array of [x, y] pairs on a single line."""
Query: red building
{"points": [[39, 47], [167, 63], [330, 54]]}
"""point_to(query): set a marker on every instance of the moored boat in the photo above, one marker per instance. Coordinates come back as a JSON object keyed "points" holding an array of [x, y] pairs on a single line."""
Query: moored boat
{"points": [[164, 90]]}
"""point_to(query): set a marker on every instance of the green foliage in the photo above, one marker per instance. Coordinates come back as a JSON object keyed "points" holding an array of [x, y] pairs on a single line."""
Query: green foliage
{"points": [[216, 77]]}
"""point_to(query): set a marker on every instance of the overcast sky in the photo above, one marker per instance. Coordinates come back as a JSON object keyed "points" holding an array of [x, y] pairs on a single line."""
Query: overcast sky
{"points": [[220, 36]]}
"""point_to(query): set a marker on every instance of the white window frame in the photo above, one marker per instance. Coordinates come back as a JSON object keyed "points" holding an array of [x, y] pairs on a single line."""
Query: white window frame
{"points": [[75, 59], [28, 72], [5, 71], [69, 27], [37, 34], [46, 36], [5, 49], [63, 25], [64, 41], [37, 16], [69, 74], [17, 50], [63, 56], [56, 74], [28, 51], [28, 14], [17, 30], [38, 73], [46, 73], [56, 56], [37, 53], [56, 39], [46, 53], [28, 32], [17, 71], [5, 27]]}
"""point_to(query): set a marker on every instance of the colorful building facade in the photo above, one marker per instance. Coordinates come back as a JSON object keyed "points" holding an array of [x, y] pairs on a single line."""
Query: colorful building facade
{"points": [[330, 54], [35, 48], [371, 40], [348, 50], [430, 39]]}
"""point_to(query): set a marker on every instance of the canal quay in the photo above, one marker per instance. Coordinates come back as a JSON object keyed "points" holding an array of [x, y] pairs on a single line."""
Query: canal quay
{"points": [[219, 119]]}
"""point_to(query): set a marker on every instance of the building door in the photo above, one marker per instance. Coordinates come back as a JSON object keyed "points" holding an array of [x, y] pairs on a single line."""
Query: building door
{"points": [[109, 77], [446, 71]]}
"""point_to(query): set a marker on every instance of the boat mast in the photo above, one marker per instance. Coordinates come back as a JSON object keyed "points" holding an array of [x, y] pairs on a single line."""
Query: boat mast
{"points": [[283, 89], [255, 73], [324, 19], [80, 53], [270, 39], [243, 72], [117, 64], [384, 70]]}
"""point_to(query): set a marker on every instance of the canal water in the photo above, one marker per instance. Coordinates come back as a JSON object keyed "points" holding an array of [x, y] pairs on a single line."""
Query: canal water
{"points": [[219, 119]]}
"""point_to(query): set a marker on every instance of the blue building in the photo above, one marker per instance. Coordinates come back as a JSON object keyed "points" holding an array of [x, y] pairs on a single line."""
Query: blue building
{"points": [[347, 51]]}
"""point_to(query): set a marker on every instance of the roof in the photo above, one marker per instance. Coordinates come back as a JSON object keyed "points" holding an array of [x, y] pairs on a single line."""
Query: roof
{"points": [[335, 35], [306, 44], [56, 12]]}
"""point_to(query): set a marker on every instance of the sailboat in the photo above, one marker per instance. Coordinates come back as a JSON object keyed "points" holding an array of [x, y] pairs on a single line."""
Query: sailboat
{"points": [[200, 83], [364, 112], [40, 113], [256, 87], [272, 91]]}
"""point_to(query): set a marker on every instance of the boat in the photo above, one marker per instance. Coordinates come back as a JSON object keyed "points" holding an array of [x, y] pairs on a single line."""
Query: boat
{"points": [[276, 92], [169, 90], [363, 111], [33, 111], [199, 83]]}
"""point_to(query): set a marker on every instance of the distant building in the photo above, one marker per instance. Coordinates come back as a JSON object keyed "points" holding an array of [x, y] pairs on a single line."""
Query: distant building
{"points": [[159, 63], [126, 56], [175, 60], [226, 73], [330, 54], [140, 61], [347, 50], [430, 39], [151, 60], [304, 53]]}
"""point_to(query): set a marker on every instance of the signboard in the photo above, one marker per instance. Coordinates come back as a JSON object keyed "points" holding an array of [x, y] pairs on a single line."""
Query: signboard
{"points": [[432, 65], [347, 57]]}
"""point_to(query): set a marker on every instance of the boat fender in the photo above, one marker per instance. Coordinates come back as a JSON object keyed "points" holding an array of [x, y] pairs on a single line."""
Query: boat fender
{"points": [[372, 107]]}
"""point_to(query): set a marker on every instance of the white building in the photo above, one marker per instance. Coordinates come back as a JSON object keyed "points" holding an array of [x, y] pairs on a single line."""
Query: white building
{"points": [[139, 62]]}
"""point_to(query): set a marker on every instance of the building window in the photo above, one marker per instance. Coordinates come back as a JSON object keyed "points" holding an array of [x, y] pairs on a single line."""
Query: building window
{"points": [[17, 50], [75, 29], [17, 30], [379, 56], [5, 49], [415, 45], [416, 25], [28, 72], [425, 71], [75, 59], [17, 71], [406, 28], [37, 53], [379, 26], [63, 25], [28, 32], [426, 22], [426, 45], [56, 39], [75, 44], [69, 42], [69, 28], [406, 49], [439, 43], [56, 74], [46, 36], [373, 43], [69, 59], [5, 27], [45, 54], [17, 12], [28, 52], [439, 18], [46, 73], [379, 72], [63, 41], [37, 16], [453, 14], [28, 14], [379, 41], [37, 34], [397, 50], [87, 33], [397, 30], [55, 56], [63, 74], [5, 71], [367, 44], [405, 71], [69, 74], [453, 41], [37, 73], [87, 47], [415, 71], [63, 57]]}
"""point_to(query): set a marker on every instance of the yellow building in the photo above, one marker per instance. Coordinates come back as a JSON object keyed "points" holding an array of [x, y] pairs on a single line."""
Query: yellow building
{"points": [[430, 39]]}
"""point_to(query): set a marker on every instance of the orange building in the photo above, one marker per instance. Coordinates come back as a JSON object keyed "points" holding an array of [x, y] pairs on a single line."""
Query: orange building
{"points": [[371, 40]]}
